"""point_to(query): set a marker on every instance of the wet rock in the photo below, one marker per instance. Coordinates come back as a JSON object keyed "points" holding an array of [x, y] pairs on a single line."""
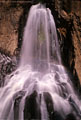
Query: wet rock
{"points": [[53, 115], [49, 105], [32, 110], [70, 117], [7, 65], [17, 99]]}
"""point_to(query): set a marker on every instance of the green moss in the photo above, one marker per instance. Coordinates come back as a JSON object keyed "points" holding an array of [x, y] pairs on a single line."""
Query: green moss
{"points": [[41, 35]]}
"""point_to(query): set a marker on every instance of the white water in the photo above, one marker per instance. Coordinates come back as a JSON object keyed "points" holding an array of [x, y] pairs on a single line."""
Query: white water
{"points": [[37, 71]]}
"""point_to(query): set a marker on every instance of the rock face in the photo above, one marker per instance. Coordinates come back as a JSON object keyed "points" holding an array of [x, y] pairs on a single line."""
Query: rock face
{"points": [[76, 38], [7, 65], [67, 14], [69, 28], [9, 22]]}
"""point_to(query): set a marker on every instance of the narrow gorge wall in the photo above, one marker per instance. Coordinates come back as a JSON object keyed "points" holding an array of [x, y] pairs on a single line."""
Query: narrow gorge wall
{"points": [[9, 23], [69, 27]]}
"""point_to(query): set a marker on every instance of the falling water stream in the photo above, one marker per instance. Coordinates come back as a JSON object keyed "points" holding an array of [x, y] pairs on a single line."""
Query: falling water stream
{"points": [[40, 76]]}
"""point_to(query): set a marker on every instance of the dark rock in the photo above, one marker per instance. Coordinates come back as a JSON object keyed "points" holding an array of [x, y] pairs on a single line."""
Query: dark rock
{"points": [[53, 115], [32, 110], [7, 65], [49, 105], [70, 117], [17, 99]]}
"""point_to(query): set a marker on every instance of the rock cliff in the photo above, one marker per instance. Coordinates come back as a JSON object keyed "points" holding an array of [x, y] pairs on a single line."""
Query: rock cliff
{"points": [[69, 27], [67, 14]]}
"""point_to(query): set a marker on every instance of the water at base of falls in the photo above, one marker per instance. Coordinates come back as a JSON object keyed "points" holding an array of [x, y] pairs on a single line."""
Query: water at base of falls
{"points": [[39, 88]]}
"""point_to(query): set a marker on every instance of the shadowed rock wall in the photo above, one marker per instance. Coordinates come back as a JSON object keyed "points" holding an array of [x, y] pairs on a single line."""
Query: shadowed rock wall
{"points": [[69, 27]]}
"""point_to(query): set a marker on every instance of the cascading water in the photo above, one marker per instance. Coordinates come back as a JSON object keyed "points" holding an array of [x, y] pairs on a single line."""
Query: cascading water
{"points": [[45, 84], [39, 31]]}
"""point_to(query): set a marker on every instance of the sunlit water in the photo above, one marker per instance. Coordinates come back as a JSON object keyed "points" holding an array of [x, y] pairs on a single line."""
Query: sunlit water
{"points": [[38, 72]]}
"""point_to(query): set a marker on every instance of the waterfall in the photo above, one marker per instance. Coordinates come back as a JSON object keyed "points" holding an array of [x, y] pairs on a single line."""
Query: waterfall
{"points": [[40, 31], [40, 87]]}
